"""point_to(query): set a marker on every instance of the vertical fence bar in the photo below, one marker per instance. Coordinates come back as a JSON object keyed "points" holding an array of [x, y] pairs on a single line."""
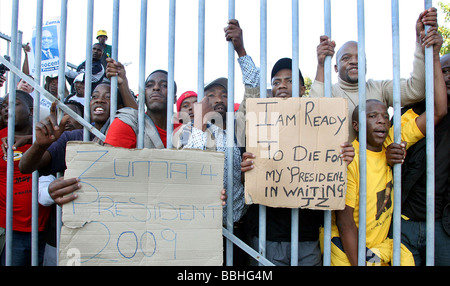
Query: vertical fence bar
{"points": [[397, 131], [171, 82], [429, 105], [201, 50], [142, 59], [62, 53], [8, 52], [11, 129], [295, 93], [88, 73], [61, 93], [115, 56], [230, 140], [295, 50], [362, 135], [263, 94], [36, 115], [327, 90]]}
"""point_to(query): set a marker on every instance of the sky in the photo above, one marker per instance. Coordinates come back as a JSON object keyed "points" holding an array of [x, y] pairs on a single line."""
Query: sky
{"points": [[378, 34]]}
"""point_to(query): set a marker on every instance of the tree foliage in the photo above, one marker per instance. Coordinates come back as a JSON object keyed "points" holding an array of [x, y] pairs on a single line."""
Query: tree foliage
{"points": [[444, 29]]}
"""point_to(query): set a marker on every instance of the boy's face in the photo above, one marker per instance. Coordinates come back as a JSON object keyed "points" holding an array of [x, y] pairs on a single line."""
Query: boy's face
{"points": [[378, 125]]}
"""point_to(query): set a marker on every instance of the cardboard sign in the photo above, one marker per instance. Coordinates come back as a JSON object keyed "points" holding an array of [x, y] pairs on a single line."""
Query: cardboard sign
{"points": [[296, 142], [143, 207]]}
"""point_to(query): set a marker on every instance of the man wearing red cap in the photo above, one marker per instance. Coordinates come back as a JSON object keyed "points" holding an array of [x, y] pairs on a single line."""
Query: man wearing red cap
{"points": [[185, 106]]}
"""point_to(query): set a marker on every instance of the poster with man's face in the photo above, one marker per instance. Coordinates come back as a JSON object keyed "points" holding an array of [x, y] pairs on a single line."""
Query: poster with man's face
{"points": [[49, 48]]}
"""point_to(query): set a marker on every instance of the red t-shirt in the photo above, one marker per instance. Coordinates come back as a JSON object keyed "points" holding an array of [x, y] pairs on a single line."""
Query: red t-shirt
{"points": [[22, 197], [121, 134]]}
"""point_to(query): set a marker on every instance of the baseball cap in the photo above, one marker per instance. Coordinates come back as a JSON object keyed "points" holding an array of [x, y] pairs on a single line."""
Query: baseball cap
{"points": [[183, 97], [79, 78], [220, 81], [102, 33], [285, 63]]}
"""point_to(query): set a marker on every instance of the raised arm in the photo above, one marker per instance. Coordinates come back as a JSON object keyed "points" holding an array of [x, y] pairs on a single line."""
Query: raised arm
{"points": [[433, 38], [413, 88], [233, 33], [325, 48], [114, 68], [47, 132]]}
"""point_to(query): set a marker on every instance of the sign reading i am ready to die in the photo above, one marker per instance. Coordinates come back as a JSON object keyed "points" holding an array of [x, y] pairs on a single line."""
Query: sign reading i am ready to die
{"points": [[296, 142]]}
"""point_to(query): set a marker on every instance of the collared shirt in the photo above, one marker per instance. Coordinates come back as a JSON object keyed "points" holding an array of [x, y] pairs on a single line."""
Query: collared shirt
{"points": [[198, 140], [250, 73]]}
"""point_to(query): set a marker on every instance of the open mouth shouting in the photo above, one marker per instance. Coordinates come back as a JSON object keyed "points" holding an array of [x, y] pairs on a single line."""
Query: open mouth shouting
{"points": [[98, 110], [380, 133]]}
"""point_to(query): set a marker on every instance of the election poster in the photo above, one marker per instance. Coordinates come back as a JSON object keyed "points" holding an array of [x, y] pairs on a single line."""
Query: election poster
{"points": [[49, 48]]}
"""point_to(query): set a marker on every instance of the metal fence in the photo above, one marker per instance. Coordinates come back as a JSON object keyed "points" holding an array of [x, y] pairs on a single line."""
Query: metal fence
{"points": [[231, 239]]}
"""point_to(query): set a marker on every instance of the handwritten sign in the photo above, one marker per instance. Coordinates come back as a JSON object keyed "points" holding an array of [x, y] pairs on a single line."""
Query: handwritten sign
{"points": [[143, 207], [296, 142]]}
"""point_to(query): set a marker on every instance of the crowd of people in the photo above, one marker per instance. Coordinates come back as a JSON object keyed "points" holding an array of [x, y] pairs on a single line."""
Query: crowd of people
{"points": [[202, 125]]}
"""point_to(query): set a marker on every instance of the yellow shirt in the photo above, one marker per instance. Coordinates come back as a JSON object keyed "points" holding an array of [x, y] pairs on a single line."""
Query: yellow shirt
{"points": [[379, 184]]}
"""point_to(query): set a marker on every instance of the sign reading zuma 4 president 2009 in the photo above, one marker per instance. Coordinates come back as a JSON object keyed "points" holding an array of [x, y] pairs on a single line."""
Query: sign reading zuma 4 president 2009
{"points": [[143, 207], [296, 142]]}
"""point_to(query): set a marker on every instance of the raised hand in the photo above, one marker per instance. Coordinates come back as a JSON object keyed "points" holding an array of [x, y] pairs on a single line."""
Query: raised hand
{"points": [[48, 130]]}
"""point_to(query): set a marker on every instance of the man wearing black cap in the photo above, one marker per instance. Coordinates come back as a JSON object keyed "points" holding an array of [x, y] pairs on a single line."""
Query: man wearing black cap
{"points": [[278, 223], [281, 77], [278, 233], [250, 73]]}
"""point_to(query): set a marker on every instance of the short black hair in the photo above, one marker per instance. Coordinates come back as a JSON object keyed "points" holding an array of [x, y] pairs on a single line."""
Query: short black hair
{"points": [[108, 82], [100, 45], [355, 114], [79, 106], [164, 72]]}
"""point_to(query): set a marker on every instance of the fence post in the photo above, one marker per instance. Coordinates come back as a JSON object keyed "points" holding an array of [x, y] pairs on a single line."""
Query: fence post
{"points": [[327, 91], [397, 175], [429, 105], [142, 59], [362, 135]]}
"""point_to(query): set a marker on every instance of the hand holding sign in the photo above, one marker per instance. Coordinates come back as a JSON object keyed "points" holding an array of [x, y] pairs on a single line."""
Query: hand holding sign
{"points": [[300, 160]]}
